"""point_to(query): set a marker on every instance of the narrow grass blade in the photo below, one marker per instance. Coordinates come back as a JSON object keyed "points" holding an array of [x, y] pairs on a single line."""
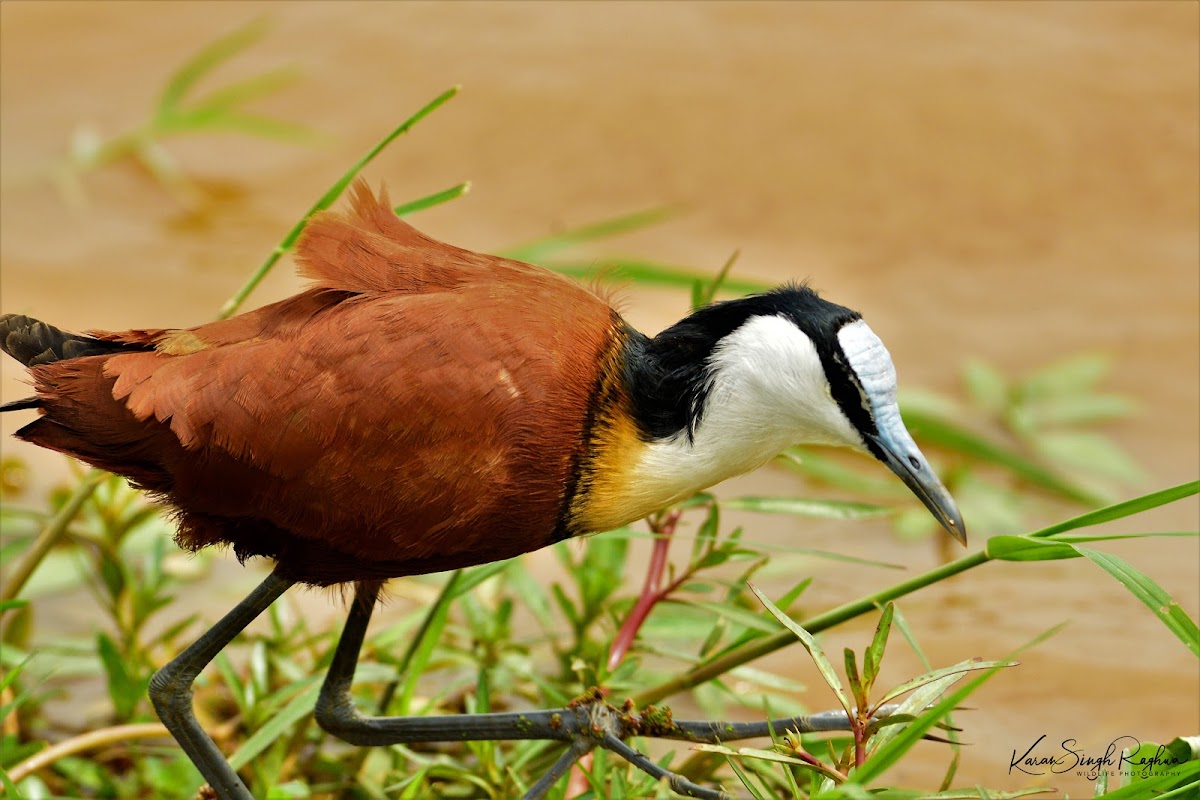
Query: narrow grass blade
{"points": [[873, 657], [647, 273], [1151, 594], [830, 471], [300, 706], [206, 61], [431, 200], [824, 666], [244, 91], [708, 291], [804, 507], [944, 433], [231, 306], [245, 122], [1122, 509], [555, 243]]}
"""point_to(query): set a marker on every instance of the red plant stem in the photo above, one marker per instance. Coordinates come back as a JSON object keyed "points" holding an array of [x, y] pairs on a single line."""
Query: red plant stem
{"points": [[651, 593]]}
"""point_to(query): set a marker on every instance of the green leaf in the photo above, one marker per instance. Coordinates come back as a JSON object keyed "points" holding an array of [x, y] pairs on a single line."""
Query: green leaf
{"points": [[830, 471], [539, 249], [124, 690], [206, 61], [431, 200], [735, 614], [1023, 548], [300, 706], [805, 507], [1072, 375], [873, 657], [857, 690], [1181, 785], [1092, 453], [940, 431], [242, 122], [1123, 509], [708, 291], [937, 674], [986, 385], [244, 91], [1076, 410], [810, 644], [647, 273], [1151, 594], [898, 742]]}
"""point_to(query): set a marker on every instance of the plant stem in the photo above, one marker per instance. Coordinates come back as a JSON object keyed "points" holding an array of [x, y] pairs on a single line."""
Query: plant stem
{"points": [[50, 535], [651, 593], [121, 734]]}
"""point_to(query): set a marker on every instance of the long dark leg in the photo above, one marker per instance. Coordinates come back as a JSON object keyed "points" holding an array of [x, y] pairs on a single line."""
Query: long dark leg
{"points": [[584, 725], [171, 689]]}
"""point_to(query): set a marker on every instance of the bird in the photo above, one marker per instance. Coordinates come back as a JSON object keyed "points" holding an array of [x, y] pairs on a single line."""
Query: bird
{"points": [[420, 407]]}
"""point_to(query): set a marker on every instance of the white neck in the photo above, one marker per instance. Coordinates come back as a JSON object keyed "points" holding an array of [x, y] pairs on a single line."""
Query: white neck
{"points": [[769, 392]]}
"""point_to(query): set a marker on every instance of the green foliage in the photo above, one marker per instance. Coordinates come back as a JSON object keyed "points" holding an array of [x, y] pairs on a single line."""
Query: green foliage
{"points": [[178, 112]]}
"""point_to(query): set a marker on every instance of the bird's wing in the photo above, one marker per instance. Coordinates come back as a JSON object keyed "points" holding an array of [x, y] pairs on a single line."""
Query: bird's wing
{"points": [[446, 411]]}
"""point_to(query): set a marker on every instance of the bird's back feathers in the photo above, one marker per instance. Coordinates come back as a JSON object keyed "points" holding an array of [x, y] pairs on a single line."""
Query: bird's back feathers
{"points": [[422, 406]]}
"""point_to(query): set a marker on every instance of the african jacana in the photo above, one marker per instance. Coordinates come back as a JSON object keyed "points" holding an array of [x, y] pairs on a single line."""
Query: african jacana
{"points": [[422, 408]]}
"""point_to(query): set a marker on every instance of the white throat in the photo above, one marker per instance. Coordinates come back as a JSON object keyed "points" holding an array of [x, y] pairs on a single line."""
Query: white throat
{"points": [[769, 392]]}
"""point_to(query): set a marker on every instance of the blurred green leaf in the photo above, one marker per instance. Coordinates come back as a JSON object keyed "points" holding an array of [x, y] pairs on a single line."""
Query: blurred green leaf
{"points": [[1076, 410], [647, 273], [805, 507], [944, 433], [124, 689], [828, 470], [1072, 375], [1091, 453], [986, 386], [206, 61], [539, 249]]}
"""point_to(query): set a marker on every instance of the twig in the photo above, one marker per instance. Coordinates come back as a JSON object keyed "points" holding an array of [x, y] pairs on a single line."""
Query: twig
{"points": [[119, 734]]}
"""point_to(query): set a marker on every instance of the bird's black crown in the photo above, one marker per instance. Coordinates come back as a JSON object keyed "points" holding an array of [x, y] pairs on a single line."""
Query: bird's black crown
{"points": [[670, 375]]}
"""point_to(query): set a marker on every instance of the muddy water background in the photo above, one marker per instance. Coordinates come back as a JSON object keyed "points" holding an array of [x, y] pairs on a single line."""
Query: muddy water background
{"points": [[1012, 181]]}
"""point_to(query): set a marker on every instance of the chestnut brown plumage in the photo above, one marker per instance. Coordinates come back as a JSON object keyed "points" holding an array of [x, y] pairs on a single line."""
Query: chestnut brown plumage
{"points": [[418, 409], [422, 407]]}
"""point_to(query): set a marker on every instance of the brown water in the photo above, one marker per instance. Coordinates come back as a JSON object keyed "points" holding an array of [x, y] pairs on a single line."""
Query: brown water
{"points": [[1006, 180]]}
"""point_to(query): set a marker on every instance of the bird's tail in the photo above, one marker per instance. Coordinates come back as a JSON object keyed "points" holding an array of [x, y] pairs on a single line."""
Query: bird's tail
{"points": [[35, 343]]}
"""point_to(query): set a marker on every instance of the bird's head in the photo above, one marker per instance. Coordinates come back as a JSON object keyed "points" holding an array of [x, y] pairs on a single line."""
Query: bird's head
{"points": [[782, 368]]}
